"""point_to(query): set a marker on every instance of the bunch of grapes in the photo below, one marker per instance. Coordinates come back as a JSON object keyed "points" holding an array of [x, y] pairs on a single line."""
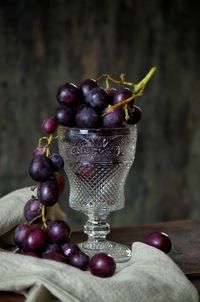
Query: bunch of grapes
{"points": [[87, 106], [51, 239], [92, 106]]}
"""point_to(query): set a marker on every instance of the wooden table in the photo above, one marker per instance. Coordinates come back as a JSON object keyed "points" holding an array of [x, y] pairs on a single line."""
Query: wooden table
{"points": [[185, 236]]}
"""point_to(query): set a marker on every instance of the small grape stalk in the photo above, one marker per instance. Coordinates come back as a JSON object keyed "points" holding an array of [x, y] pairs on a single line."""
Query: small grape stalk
{"points": [[86, 106]]}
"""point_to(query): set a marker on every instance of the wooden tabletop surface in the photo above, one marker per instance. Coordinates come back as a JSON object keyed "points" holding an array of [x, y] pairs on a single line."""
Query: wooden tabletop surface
{"points": [[185, 236]]}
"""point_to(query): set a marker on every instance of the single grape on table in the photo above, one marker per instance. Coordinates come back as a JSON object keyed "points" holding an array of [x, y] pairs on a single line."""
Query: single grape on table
{"points": [[160, 241], [102, 265]]}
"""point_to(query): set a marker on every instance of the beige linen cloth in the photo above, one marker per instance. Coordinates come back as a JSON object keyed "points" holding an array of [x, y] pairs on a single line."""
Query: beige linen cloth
{"points": [[149, 276]]}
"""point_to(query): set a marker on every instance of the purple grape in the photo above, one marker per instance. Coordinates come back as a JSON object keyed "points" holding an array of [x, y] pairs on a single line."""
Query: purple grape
{"points": [[97, 98], [111, 92], [49, 125], [40, 168], [52, 247], [58, 231], [102, 265], [79, 260], [105, 93], [57, 160], [87, 86], [35, 239], [54, 256], [69, 248], [84, 170], [32, 209], [159, 240], [87, 118], [68, 94], [39, 151], [20, 234], [48, 192], [122, 94], [64, 116], [113, 119], [134, 115]]}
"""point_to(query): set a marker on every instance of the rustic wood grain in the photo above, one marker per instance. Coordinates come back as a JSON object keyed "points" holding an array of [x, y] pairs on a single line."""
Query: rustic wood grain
{"points": [[44, 43]]}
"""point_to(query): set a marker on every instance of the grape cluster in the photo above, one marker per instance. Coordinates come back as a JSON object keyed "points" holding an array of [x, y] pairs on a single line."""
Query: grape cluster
{"points": [[46, 239], [93, 106], [86, 106], [90, 106]]}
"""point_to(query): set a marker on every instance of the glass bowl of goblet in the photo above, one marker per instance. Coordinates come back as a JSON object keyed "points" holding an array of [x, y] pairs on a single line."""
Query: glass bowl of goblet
{"points": [[97, 162]]}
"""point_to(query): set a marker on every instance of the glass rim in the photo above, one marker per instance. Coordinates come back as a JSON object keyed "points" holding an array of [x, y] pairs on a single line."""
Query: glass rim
{"points": [[109, 131]]}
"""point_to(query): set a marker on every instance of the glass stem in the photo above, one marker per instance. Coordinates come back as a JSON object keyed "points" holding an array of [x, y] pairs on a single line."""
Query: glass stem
{"points": [[96, 228]]}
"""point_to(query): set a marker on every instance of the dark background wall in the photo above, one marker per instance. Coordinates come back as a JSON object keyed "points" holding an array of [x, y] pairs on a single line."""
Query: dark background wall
{"points": [[45, 43]]}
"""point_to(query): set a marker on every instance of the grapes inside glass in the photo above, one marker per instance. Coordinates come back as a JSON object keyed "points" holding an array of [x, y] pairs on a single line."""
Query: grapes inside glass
{"points": [[97, 162]]}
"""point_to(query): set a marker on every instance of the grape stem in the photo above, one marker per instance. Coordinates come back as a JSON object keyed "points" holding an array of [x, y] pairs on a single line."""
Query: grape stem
{"points": [[44, 218], [34, 219], [142, 84], [113, 107], [126, 112], [16, 250], [41, 139], [137, 90], [48, 141], [59, 137], [122, 81]]}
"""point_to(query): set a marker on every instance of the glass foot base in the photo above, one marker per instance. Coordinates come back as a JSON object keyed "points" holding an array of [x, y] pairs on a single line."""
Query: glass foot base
{"points": [[120, 252]]}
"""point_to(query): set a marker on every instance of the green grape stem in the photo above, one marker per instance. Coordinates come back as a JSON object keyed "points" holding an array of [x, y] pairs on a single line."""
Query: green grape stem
{"points": [[46, 142], [44, 218], [113, 107], [137, 90], [126, 112], [142, 84]]}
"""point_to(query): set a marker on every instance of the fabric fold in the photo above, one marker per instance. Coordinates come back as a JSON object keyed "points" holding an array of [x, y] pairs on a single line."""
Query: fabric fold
{"points": [[150, 275]]}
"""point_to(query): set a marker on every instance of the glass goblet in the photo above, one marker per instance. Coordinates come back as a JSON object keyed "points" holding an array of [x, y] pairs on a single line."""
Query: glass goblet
{"points": [[97, 162]]}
